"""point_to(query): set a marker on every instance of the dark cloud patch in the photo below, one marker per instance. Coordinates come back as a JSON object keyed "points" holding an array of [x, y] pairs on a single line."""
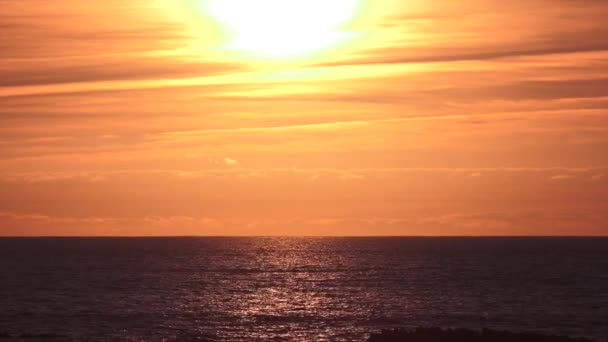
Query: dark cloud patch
{"points": [[36, 29], [546, 90], [109, 69], [397, 55]]}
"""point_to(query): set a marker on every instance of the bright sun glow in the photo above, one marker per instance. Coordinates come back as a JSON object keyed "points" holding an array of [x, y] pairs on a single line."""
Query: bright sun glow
{"points": [[283, 28]]}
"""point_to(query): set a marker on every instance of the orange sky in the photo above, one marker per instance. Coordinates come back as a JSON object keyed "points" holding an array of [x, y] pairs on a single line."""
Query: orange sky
{"points": [[480, 117]]}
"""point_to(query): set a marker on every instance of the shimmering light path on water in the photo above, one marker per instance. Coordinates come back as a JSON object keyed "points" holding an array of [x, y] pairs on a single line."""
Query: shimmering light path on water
{"points": [[315, 289]]}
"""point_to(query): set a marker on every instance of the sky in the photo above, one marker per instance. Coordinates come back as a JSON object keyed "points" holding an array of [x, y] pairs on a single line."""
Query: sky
{"points": [[145, 117]]}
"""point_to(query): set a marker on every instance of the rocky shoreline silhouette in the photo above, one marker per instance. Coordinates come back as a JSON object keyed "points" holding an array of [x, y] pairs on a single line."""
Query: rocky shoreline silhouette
{"points": [[465, 335]]}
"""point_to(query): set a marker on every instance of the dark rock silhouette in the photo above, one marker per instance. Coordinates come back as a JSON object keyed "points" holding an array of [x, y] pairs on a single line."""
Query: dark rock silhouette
{"points": [[465, 335]]}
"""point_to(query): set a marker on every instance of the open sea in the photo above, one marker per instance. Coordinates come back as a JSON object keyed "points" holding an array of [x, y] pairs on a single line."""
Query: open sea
{"points": [[297, 289]]}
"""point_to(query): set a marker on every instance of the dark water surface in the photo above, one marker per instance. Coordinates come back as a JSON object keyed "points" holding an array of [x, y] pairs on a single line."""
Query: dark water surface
{"points": [[298, 289]]}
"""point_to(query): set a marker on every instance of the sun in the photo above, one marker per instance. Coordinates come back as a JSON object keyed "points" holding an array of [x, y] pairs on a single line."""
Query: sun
{"points": [[282, 28]]}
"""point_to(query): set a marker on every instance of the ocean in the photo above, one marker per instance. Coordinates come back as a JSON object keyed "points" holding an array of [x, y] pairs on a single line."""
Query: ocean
{"points": [[297, 289]]}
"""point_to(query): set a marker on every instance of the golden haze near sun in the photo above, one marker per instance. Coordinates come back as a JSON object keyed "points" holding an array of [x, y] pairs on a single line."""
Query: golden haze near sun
{"points": [[281, 29]]}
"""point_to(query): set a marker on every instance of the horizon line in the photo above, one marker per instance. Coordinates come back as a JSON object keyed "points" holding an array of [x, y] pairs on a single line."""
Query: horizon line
{"points": [[297, 236]]}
